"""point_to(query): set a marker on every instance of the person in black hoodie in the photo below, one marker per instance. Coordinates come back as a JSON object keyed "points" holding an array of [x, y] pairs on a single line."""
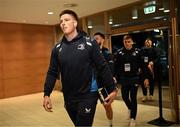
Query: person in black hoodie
{"points": [[74, 59]]}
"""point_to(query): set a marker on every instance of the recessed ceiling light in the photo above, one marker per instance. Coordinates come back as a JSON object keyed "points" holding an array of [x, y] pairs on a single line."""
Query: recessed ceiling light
{"points": [[161, 9], [50, 13], [166, 11], [134, 17]]}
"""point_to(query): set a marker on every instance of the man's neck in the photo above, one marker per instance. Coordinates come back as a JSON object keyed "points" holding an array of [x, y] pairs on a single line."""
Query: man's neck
{"points": [[71, 36]]}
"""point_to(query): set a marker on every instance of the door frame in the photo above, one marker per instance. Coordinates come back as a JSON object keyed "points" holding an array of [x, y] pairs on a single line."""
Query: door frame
{"points": [[171, 52]]}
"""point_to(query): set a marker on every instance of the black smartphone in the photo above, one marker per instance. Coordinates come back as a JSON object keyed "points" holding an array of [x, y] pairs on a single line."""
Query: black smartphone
{"points": [[103, 94]]}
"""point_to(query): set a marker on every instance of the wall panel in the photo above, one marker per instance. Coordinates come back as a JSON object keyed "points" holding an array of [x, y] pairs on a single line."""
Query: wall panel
{"points": [[1, 71], [25, 52]]}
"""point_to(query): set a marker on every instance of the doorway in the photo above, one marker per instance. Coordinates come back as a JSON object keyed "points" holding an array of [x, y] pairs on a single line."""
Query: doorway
{"points": [[159, 37]]}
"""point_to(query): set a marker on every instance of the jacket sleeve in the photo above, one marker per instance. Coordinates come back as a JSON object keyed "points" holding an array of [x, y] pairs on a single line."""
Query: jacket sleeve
{"points": [[102, 68], [52, 73], [144, 69], [117, 61], [109, 59], [155, 55]]}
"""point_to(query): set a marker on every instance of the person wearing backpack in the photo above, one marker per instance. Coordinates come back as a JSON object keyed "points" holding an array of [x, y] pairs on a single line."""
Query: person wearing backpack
{"points": [[100, 39], [75, 59]]}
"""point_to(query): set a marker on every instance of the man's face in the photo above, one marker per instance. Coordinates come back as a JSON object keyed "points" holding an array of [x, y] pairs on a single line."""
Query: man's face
{"points": [[128, 43], [99, 39], [68, 24], [148, 43]]}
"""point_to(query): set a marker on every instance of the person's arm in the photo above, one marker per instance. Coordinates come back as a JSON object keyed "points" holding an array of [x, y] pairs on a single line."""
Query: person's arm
{"points": [[110, 61], [117, 61], [104, 72], [51, 77], [52, 73], [153, 60], [143, 69]]}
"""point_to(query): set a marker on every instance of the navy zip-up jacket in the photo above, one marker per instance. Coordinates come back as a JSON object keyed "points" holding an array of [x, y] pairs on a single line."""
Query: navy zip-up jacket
{"points": [[75, 62], [132, 58]]}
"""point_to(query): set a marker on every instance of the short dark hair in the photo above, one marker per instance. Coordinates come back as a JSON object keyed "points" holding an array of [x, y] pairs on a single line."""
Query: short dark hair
{"points": [[70, 12], [100, 34], [127, 36]]}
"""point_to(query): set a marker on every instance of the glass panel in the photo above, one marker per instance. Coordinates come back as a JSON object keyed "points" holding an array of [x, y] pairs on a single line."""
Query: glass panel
{"points": [[159, 38], [140, 13], [95, 24]]}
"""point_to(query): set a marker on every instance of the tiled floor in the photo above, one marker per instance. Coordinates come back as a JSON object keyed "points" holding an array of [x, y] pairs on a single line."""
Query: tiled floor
{"points": [[27, 111]]}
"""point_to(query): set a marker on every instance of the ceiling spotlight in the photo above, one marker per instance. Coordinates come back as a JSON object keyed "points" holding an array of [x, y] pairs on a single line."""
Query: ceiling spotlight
{"points": [[110, 20], [50, 13], [166, 10], [90, 26], [69, 5], [134, 13], [161, 9]]}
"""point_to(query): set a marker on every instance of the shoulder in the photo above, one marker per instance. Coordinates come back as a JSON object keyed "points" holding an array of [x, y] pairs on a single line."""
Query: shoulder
{"points": [[118, 52], [143, 48], [91, 42], [137, 50], [105, 50], [58, 44], [121, 50], [57, 47], [85, 38], [88, 40]]}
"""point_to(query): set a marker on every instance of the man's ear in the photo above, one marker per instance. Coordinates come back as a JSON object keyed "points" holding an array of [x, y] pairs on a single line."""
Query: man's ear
{"points": [[75, 23]]}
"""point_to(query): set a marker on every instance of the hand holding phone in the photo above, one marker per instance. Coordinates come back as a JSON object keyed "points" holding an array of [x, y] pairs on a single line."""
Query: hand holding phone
{"points": [[103, 95]]}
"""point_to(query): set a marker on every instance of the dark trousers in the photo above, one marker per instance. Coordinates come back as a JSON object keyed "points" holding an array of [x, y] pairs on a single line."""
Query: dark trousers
{"points": [[129, 95], [82, 110], [151, 86]]}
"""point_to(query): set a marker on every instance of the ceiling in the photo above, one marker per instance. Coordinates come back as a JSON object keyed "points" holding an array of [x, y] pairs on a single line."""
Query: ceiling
{"points": [[36, 11]]}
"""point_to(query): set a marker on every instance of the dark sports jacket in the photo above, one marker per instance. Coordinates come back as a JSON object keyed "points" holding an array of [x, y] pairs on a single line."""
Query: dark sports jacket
{"points": [[149, 54], [108, 57], [75, 61], [128, 63]]}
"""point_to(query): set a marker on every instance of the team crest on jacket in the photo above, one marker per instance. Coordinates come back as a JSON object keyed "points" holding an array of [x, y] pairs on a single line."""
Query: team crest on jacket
{"points": [[81, 46]]}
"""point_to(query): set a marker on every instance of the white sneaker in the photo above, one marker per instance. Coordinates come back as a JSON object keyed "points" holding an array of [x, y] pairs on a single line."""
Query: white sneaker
{"points": [[132, 123], [144, 98]]}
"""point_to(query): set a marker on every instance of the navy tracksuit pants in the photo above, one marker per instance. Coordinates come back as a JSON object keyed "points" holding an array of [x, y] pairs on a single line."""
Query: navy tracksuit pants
{"points": [[81, 110]]}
